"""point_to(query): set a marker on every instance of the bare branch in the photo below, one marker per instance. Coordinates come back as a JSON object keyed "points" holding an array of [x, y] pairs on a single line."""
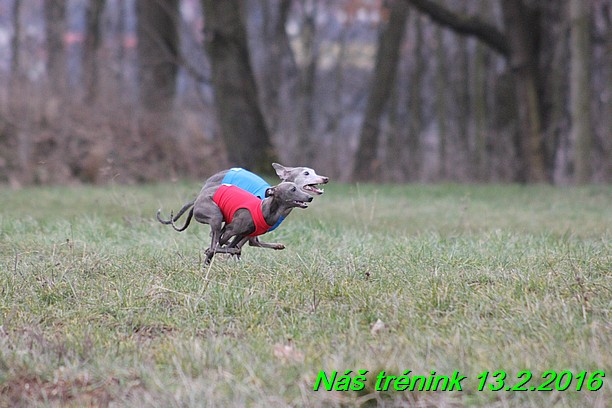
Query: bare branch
{"points": [[463, 24]]}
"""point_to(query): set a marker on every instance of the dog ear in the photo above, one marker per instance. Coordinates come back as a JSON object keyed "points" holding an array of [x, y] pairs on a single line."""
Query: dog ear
{"points": [[270, 191], [281, 171]]}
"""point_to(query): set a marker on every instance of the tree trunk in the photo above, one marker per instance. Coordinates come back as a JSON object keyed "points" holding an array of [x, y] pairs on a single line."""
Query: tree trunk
{"points": [[389, 42], [90, 49], [158, 45], [462, 155], [281, 67], [121, 30], [240, 118], [306, 88], [157, 51], [479, 105], [15, 73], [333, 145], [414, 102], [55, 26], [15, 46], [522, 26], [601, 64], [441, 79], [395, 142], [519, 44], [580, 89]]}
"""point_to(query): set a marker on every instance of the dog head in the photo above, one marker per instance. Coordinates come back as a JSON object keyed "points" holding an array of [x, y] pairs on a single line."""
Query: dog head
{"points": [[289, 194], [306, 178]]}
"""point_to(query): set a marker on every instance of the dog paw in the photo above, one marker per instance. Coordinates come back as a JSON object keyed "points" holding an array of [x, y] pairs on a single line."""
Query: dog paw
{"points": [[279, 246]]}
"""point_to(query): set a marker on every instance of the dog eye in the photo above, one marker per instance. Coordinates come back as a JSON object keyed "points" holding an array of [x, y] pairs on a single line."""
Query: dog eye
{"points": [[306, 173]]}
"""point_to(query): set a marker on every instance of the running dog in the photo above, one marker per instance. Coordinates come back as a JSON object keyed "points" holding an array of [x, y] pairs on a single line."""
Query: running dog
{"points": [[304, 177], [244, 214]]}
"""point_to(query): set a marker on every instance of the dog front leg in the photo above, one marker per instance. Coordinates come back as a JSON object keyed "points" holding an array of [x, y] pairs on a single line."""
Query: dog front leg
{"points": [[234, 243], [255, 242], [243, 240]]}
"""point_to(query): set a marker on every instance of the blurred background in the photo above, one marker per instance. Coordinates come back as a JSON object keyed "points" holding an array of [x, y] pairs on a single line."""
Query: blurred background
{"points": [[361, 90]]}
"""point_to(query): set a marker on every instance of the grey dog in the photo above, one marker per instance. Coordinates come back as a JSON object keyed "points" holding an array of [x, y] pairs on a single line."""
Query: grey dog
{"points": [[304, 177], [242, 212]]}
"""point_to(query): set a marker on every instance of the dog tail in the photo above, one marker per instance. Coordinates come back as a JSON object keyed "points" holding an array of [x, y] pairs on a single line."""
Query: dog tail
{"points": [[184, 227], [173, 219]]}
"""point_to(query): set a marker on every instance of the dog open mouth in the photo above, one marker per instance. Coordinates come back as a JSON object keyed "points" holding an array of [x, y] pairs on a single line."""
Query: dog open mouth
{"points": [[300, 204], [312, 188]]}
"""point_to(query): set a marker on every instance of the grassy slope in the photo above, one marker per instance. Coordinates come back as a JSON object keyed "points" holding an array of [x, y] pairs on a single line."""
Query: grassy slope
{"points": [[100, 303]]}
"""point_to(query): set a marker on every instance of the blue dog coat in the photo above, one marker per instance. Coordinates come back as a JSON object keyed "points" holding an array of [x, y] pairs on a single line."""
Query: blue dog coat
{"points": [[250, 182]]}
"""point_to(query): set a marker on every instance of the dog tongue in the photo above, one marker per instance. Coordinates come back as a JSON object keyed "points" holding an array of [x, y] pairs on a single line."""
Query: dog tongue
{"points": [[314, 189]]}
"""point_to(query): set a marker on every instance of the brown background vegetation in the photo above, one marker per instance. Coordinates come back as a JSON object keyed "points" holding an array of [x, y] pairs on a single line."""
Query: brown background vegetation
{"points": [[394, 90]]}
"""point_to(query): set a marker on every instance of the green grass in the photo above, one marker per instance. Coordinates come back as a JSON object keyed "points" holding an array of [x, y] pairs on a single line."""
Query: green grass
{"points": [[101, 305]]}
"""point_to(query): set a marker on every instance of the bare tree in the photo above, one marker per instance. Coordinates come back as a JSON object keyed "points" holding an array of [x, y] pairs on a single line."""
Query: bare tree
{"points": [[415, 122], [442, 111], [15, 45], [512, 90], [306, 84], [519, 44], [240, 118], [284, 79], [281, 66], [55, 25], [158, 45], [90, 49], [580, 86], [479, 98], [158, 50], [365, 166], [522, 27]]}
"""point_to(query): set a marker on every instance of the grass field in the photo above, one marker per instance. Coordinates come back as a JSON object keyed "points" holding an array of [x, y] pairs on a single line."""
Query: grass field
{"points": [[101, 305]]}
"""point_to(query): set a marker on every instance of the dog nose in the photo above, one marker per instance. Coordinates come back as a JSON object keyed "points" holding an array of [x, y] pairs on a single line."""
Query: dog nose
{"points": [[325, 180], [309, 198]]}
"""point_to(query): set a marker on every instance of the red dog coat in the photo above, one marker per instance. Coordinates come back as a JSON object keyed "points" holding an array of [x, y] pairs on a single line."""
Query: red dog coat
{"points": [[231, 198]]}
